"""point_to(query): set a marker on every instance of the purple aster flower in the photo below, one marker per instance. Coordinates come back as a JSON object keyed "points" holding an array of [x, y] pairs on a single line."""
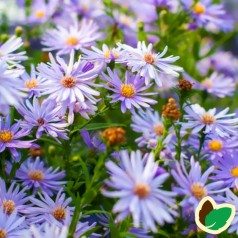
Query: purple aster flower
{"points": [[45, 117], [92, 142], [130, 92], [221, 123], [216, 146], [227, 169], [10, 88], [11, 225], [205, 12], [74, 37], [34, 174], [106, 54], [193, 185], [217, 84], [48, 210], [150, 125], [147, 63], [13, 199], [162, 3], [46, 230], [10, 135], [139, 191], [231, 198], [69, 83], [7, 49], [85, 108], [41, 11], [32, 83]]}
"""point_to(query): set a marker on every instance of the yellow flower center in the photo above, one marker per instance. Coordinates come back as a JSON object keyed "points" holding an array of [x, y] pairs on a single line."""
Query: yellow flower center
{"points": [[142, 190], [208, 119], [199, 8], [36, 175], [68, 82], [149, 58], [3, 233], [207, 83], [234, 172], [31, 83], [8, 206], [128, 90], [59, 213], [39, 14], [115, 54], [106, 54], [198, 190], [215, 145], [159, 129], [6, 136], [72, 41]]}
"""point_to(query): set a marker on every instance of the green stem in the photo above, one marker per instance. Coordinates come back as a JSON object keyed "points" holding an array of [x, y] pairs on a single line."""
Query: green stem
{"points": [[201, 142], [160, 144]]}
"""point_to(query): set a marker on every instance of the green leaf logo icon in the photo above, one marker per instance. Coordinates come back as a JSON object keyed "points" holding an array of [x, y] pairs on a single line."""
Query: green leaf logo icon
{"points": [[213, 218]]}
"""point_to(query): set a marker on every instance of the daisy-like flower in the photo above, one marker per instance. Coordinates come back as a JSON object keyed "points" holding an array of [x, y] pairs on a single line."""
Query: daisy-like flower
{"points": [[32, 82], [106, 54], [85, 108], [130, 92], [150, 125], [74, 37], [11, 225], [69, 83], [34, 174], [227, 169], [10, 135], [193, 185], [45, 117], [217, 84], [10, 88], [139, 189], [217, 146], [205, 12], [46, 231], [7, 49], [231, 198], [48, 210], [199, 119], [13, 199], [148, 63], [41, 11]]}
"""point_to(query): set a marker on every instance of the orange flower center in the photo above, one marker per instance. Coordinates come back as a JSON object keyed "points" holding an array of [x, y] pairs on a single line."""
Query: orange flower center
{"points": [[6, 136], [159, 129], [215, 145], [39, 14], [68, 81], [36, 175], [207, 83], [3, 233], [8, 206], [59, 213], [142, 190], [128, 90], [31, 83], [198, 190], [199, 8], [208, 119], [149, 58], [72, 41], [234, 172]]}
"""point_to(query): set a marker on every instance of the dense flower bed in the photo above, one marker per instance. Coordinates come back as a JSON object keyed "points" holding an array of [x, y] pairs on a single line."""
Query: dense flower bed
{"points": [[116, 117]]}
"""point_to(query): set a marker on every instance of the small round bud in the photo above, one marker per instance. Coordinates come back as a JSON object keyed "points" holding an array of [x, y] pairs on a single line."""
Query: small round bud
{"points": [[114, 135], [18, 31], [170, 110], [185, 85]]}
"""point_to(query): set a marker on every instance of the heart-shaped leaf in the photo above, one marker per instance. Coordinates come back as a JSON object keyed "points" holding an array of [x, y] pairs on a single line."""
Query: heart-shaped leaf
{"points": [[217, 218]]}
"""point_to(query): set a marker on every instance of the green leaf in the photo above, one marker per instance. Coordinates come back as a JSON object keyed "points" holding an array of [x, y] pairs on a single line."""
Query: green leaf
{"points": [[96, 126], [217, 218]]}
